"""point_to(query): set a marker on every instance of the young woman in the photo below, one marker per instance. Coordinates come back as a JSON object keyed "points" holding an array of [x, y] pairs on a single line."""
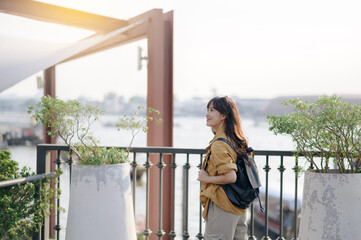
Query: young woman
{"points": [[224, 221]]}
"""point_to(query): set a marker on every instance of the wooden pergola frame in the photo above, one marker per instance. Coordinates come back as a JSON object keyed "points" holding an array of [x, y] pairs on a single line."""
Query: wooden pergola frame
{"points": [[157, 28]]}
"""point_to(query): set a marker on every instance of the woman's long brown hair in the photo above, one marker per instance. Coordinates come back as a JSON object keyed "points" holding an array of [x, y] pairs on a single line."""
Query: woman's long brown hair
{"points": [[233, 128]]}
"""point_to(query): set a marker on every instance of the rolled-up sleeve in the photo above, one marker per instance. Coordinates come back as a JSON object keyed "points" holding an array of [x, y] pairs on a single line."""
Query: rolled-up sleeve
{"points": [[223, 157]]}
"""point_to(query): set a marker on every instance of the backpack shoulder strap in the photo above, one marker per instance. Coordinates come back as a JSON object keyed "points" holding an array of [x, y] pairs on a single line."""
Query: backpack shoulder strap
{"points": [[248, 150], [228, 142], [224, 140]]}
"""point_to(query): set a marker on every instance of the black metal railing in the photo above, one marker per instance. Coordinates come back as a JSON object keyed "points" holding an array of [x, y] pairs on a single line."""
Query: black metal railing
{"points": [[23, 180], [189, 157], [278, 155]]}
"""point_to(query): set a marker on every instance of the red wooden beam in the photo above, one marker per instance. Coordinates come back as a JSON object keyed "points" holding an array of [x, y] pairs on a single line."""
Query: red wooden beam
{"points": [[160, 96], [60, 15], [49, 89]]}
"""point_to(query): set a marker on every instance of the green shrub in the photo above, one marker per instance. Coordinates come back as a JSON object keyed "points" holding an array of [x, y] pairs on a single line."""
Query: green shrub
{"points": [[22, 208], [329, 127], [72, 121]]}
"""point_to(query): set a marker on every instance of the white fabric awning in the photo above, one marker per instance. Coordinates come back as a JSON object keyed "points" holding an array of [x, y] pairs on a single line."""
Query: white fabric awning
{"points": [[21, 58]]}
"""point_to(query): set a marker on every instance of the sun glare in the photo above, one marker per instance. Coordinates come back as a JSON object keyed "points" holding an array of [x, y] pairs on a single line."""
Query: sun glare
{"points": [[15, 26]]}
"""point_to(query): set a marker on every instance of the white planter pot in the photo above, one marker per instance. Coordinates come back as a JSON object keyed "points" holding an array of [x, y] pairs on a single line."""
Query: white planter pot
{"points": [[100, 203], [331, 206]]}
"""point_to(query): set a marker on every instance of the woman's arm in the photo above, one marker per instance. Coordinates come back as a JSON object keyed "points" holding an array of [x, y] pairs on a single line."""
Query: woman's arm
{"points": [[227, 178]]}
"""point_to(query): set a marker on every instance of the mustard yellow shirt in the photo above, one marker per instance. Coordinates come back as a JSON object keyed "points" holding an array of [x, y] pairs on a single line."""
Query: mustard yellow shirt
{"points": [[222, 160]]}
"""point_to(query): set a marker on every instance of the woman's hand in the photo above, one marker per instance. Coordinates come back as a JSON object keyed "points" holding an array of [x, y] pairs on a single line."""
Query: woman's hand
{"points": [[203, 176]]}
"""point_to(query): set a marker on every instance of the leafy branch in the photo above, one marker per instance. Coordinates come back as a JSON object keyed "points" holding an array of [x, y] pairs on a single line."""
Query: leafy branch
{"points": [[135, 123], [329, 127], [72, 120]]}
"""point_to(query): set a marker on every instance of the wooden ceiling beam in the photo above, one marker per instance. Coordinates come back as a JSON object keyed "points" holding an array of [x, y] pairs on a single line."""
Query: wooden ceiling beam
{"points": [[131, 35], [60, 15]]}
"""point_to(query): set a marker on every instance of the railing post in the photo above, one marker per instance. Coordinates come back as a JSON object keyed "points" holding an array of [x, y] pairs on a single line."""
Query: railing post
{"points": [[200, 235], [40, 169], [57, 225], [266, 169], [185, 198], [40, 160], [147, 231], [160, 165], [295, 216], [252, 236], [173, 166], [40, 234], [281, 169], [134, 165]]}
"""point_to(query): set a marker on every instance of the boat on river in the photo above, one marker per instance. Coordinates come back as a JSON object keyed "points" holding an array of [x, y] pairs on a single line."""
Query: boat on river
{"points": [[274, 212], [20, 136]]}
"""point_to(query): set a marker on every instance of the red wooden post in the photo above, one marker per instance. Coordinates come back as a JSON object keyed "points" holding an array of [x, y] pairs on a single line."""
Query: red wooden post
{"points": [[160, 96], [49, 89], [168, 125]]}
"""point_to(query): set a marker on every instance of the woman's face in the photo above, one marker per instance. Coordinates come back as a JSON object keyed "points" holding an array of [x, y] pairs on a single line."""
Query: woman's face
{"points": [[214, 118]]}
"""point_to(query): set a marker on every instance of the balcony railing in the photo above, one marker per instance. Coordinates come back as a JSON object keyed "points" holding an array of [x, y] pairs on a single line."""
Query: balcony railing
{"points": [[190, 159]]}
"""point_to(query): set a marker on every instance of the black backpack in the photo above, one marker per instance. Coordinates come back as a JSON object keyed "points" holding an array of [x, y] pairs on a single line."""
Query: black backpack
{"points": [[245, 190]]}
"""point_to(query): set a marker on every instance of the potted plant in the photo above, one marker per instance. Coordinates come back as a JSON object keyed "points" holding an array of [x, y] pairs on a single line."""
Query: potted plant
{"points": [[21, 211], [100, 203], [327, 134]]}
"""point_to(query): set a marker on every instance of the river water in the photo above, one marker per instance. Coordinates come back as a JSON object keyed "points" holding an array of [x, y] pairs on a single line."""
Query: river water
{"points": [[189, 132]]}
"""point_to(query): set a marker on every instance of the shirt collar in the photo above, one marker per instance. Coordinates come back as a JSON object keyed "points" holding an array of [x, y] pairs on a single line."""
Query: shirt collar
{"points": [[219, 134]]}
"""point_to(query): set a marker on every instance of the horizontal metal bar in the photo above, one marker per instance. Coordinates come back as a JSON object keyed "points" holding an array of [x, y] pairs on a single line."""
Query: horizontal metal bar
{"points": [[274, 153], [170, 150], [24, 180], [50, 147]]}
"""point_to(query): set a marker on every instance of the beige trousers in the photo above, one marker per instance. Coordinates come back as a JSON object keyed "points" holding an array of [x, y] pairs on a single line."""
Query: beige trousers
{"points": [[223, 225]]}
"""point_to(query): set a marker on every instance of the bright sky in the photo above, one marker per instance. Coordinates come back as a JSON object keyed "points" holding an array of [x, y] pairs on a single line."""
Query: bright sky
{"points": [[252, 49]]}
